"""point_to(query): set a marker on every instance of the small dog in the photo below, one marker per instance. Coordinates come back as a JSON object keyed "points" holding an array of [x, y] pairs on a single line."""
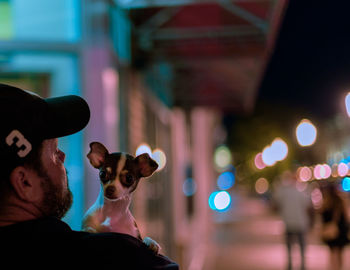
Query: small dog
{"points": [[119, 174]]}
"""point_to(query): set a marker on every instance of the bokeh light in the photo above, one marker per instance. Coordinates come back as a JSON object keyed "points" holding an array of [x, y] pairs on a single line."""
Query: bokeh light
{"points": [[189, 187], [222, 157], [143, 148], [325, 171], [219, 200], [304, 174], [346, 184], [306, 133], [222, 200], [317, 171], [328, 170], [226, 180], [267, 156], [258, 161], [342, 169], [261, 185], [279, 149], [334, 170], [347, 103], [159, 156], [211, 200]]}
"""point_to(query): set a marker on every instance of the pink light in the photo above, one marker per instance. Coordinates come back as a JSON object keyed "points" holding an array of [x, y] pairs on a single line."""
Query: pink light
{"points": [[317, 171], [342, 169], [258, 161], [305, 174], [327, 171]]}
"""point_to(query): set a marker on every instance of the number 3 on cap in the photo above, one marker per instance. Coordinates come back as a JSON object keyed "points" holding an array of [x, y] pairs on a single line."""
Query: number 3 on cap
{"points": [[21, 141]]}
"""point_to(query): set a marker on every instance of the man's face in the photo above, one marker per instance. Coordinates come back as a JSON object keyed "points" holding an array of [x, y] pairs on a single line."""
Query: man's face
{"points": [[57, 198]]}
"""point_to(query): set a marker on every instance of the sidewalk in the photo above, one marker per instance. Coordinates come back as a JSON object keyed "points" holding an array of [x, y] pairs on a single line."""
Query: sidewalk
{"points": [[250, 237]]}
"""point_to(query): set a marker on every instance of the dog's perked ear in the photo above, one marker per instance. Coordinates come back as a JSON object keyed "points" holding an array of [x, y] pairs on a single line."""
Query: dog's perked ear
{"points": [[97, 154], [146, 165]]}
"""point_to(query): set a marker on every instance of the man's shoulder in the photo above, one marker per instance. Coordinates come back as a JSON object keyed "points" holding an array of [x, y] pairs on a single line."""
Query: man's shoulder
{"points": [[54, 239], [121, 249]]}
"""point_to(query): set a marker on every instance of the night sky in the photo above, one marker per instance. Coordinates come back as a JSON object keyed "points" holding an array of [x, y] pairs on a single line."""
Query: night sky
{"points": [[310, 66]]}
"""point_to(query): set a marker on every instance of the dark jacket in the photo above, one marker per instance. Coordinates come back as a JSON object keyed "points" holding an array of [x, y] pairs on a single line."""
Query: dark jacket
{"points": [[50, 243]]}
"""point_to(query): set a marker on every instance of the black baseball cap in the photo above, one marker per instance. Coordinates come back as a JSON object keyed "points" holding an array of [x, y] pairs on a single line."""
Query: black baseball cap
{"points": [[27, 119]]}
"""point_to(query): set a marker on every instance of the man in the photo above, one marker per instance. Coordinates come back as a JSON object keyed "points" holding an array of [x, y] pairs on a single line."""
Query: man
{"points": [[34, 192], [295, 208]]}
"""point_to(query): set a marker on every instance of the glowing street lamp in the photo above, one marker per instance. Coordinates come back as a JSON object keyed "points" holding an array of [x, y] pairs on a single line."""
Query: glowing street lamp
{"points": [[306, 133]]}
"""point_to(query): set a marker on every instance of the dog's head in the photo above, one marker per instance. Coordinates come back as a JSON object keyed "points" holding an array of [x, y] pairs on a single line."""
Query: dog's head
{"points": [[119, 172]]}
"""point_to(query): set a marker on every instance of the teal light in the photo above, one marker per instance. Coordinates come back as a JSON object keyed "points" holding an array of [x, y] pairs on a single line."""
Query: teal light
{"points": [[346, 184], [211, 200], [219, 201]]}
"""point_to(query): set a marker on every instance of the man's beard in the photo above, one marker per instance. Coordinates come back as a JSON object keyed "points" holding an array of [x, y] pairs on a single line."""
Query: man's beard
{"points": [[55, 203]]}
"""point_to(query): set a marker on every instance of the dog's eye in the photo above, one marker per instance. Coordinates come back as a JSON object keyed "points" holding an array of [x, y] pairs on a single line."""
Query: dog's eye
{"points": [[129, 179], [103, 176]]}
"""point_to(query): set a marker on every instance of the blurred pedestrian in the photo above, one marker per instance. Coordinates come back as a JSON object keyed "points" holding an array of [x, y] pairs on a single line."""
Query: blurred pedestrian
{"points": [[295, 208], [334, 225]]}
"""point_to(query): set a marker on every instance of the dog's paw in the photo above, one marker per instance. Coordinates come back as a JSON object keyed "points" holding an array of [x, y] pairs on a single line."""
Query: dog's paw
{"points": [[152, 245], [89, 229]]}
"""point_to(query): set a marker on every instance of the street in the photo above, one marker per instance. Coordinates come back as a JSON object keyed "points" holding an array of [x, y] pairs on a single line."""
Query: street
{"points": [[250, 237]]}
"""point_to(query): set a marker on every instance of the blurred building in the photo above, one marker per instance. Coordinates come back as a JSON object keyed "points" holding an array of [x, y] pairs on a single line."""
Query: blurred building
{"points": [[156, 72]]}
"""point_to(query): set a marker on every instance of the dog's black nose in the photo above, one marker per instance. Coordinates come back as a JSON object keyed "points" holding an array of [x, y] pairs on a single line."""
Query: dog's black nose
{"points": [[110, 191]]}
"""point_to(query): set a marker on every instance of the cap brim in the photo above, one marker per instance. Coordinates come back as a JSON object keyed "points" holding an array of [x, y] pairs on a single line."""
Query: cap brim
{"points": [[66, 115]]}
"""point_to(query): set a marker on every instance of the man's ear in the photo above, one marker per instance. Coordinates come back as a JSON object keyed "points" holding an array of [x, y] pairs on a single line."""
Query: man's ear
{"points": [[26, 186], [146, 165], [97, 154]]}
